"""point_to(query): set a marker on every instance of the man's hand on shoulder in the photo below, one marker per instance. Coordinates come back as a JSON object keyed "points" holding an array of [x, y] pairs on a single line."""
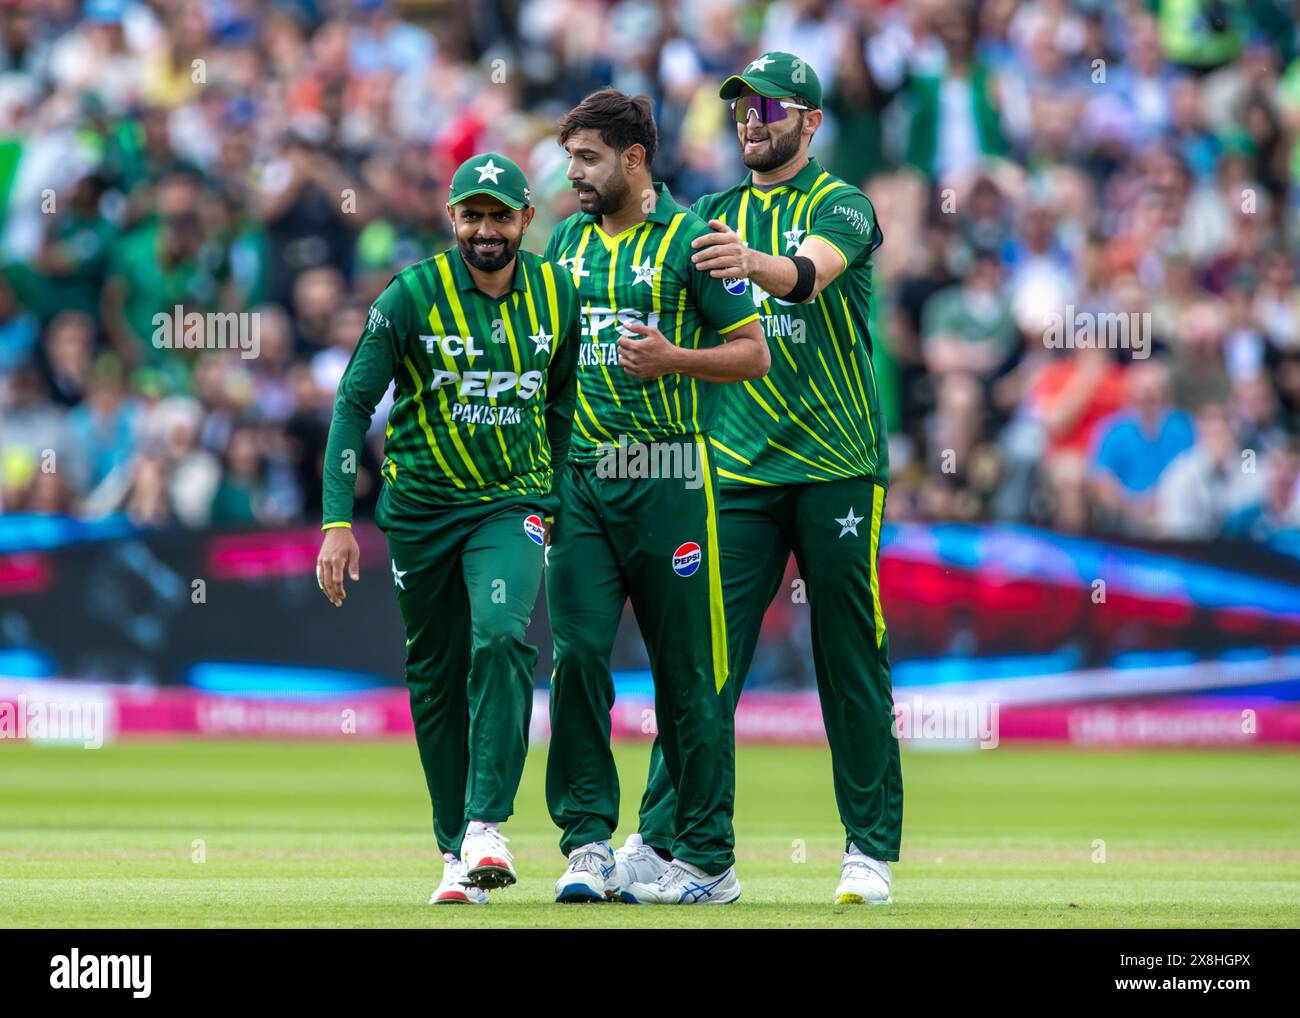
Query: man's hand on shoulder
{"points": [[722, 254]]}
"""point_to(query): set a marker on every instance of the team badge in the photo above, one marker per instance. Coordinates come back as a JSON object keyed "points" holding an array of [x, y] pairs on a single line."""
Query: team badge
{"points": [[686, 559], [535, 529]]}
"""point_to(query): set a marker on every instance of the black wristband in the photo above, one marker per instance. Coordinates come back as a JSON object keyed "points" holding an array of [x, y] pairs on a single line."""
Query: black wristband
{"points": [[807, 279]]}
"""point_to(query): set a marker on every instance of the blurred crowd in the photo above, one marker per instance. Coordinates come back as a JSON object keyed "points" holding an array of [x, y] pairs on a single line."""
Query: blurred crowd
{"points": [[1030, 162]]}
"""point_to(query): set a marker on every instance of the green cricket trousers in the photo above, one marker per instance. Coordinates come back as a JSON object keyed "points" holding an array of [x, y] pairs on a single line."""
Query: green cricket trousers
{"points": [[833, 528], [467, 579], [653, 540]]}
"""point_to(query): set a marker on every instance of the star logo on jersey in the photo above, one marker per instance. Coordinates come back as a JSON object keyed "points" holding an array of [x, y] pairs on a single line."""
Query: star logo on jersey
{"points": [[760, 64], [645, 273], [397, 575], [489, 171], [541, 340], [849, 523], [792, 238]]}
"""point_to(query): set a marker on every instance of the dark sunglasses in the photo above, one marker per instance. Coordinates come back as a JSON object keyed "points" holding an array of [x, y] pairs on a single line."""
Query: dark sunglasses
{"points": [[769, 110]]}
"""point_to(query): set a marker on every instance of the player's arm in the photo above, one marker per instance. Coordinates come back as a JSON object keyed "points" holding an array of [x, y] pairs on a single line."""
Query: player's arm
{"points": [[741, 356], [372, 366], [562, 379], [723, 256], [841, 228]]}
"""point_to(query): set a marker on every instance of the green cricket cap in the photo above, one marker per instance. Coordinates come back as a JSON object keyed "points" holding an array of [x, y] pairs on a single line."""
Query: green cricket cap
{"points": [[775, 75], [493, 174]]}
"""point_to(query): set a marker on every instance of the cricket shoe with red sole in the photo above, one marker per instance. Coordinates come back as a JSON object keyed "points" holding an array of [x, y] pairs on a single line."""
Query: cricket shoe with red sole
{"points": [[488, 863], [684, 884], [863, 880], [454, 889]]}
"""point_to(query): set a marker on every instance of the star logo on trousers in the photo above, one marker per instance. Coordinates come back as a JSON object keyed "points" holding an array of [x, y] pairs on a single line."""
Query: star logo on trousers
{"points": [[397, 576], [849, 523]]}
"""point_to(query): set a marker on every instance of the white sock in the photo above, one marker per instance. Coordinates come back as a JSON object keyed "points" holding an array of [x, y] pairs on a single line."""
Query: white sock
{"points": [[478, 827], [448, 857]]}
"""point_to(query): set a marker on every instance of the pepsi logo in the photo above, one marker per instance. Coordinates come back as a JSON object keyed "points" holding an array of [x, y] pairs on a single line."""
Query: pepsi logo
{"points": [[736, 285], [686, 559], [535, 529]]}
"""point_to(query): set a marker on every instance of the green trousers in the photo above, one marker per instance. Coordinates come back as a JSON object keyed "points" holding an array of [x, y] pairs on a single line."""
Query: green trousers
{"points": [[834, 531], [467, 579], [653, 540]]}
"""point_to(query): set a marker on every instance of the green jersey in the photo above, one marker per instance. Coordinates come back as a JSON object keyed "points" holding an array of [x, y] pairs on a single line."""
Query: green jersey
{"points": [[483, 400], [816, 415], [643, 276]]}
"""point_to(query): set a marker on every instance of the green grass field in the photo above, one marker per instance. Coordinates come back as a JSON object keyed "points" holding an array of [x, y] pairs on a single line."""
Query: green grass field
{"points": [[314, 834]]}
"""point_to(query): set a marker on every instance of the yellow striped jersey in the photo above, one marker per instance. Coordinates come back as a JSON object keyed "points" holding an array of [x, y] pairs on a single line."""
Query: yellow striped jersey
{"points": [[644, 275], [816, 415], [483, 402]]}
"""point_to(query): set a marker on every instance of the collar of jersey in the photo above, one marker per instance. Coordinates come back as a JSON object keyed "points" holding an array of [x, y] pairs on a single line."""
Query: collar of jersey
{"points": [[801, 181], [665, 208], [465, 282]]}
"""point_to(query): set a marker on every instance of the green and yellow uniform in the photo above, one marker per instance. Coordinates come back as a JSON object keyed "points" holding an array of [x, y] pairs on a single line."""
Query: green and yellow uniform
{"points": [[649, 538], [471, 419], [816, 415], [803, 461], [478, 430]]}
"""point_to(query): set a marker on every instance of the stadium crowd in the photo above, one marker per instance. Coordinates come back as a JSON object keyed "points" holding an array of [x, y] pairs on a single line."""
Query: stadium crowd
{"points": [[1030, 163]]}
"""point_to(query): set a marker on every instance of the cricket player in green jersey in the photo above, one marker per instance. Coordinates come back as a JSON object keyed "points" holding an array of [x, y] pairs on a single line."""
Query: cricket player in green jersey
{"points": [[658, 338], [481, 342], [802, 453]]}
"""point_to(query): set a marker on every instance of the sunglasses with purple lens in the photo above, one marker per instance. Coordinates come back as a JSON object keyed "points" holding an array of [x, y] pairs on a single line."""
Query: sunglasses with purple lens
{"points": [[768, 110]]}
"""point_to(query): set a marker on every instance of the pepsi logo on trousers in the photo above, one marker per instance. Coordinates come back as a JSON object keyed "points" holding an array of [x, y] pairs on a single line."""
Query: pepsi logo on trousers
{"points": [[686, 559]]}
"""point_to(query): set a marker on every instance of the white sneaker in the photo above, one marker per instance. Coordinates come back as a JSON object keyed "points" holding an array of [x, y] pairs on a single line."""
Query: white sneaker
{"points": [[455, 888], [637, 863], [684, 884], [863, 880], [488, 863], [588, 876]]}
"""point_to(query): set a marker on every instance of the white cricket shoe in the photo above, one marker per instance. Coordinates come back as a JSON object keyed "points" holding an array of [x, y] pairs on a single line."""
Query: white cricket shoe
{"points": [[589, 876], [863, 880], [488, 863], [636, 863], [683, 884], [455, 888]]}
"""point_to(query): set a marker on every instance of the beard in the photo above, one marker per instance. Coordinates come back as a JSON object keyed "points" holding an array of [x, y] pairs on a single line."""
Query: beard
{"points": [[611, 199], [489, 262], [780, 151]]}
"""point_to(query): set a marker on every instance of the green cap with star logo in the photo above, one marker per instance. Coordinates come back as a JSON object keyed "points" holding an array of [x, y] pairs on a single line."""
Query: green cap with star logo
{"points": [[776, 75], [492, 174]]}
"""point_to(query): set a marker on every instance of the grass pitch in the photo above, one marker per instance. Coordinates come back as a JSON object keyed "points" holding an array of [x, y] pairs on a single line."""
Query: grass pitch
{"points": [[208, 833]]}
